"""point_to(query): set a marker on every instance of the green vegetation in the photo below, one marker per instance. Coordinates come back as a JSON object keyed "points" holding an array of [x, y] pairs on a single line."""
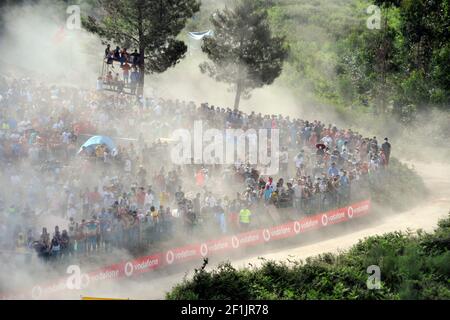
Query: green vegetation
{"points": [[243, 51], [399, 70], [413, 266]]}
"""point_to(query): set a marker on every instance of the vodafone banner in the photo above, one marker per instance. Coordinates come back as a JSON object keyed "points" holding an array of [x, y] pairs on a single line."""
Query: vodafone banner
{"points": [[216, 246], [78, 280], [182, 254], [246, 239], [279, 232]]}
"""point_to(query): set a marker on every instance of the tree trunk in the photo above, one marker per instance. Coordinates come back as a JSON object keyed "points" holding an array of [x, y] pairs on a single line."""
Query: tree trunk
{"points": [[237, 98], [384, 56], [140, 90]]}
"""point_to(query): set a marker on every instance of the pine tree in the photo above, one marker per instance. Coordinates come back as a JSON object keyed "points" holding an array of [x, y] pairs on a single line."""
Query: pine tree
{"points": [[243, 51]]}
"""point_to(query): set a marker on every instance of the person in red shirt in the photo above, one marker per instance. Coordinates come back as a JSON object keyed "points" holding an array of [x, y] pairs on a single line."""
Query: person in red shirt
{"points": [[365, 168], [126, 72], [200, 178], [77, 128]]}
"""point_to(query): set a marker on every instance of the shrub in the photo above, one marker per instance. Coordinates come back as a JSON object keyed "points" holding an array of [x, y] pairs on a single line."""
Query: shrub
{"points": [[413, 266]]}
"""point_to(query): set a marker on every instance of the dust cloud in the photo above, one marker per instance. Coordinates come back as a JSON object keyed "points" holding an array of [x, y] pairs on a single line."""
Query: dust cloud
{"points": [[37, 47], [38, 44]]}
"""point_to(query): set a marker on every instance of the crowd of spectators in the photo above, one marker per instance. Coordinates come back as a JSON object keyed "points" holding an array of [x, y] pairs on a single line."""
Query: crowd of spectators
{"points": [[136, 198], [129, 65]]}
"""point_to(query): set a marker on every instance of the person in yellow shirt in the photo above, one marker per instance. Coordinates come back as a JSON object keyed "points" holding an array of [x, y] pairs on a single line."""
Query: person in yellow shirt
{"points": [[5, 125], [163, 198], [154, 214], [244, 218], [99, 151]]}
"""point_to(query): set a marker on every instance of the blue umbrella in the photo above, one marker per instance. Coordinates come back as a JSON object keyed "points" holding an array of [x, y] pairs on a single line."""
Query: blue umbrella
{"points": [[98, 140]]}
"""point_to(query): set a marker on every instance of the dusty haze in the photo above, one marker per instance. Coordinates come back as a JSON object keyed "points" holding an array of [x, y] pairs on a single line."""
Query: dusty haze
{"points": [[36, 46]]}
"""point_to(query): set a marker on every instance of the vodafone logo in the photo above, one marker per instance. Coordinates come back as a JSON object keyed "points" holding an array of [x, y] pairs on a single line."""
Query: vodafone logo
{"points": [[36, 292], [297, 227], [170, 257], [204, 249], [235, 242], [350, 212], [128, 269], [324, 220], [266, 235]]}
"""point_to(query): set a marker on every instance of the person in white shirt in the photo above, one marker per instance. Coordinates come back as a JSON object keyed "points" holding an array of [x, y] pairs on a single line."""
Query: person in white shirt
{"points": [[108, 198], [71, 212], [210, 200], [66, 137], [299, 159], [99, 85], [127, 167], [284, 161], [149, 199], [297, 195], [327, 140]]}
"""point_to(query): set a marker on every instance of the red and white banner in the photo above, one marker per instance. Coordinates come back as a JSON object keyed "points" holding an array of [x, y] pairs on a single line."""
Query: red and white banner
{"points": [[182, 254], [279, 232], [246, 239], [194, 251]]}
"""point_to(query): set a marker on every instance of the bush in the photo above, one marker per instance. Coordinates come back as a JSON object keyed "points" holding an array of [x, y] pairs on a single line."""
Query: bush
{"points": [[413, 266], [398, 188]]}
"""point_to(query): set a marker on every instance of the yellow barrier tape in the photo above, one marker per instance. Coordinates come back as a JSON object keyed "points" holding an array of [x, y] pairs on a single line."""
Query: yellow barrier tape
{"points": [[98, 298]]}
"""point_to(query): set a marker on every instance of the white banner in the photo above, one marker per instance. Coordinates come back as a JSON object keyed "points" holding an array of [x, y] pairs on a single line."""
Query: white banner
{"points": [[200, 35]]}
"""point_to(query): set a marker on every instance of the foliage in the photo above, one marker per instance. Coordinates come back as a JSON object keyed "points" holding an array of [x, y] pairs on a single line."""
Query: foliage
{"points": [[413, 266], [335, 59], [243, 51]]}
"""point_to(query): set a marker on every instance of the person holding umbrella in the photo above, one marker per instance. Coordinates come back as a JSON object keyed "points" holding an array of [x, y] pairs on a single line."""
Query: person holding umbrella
{"points": [[320, 153]]}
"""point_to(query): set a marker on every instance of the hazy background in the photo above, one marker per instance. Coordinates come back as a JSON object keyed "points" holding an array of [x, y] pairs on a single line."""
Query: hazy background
{"points": [[34, 43]]}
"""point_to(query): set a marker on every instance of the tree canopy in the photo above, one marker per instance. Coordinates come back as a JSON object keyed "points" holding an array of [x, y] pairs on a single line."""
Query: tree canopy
{"points": [[243, 52], [335, 59]]}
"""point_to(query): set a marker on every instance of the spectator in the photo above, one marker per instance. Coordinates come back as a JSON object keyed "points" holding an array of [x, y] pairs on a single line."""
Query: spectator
{"points": [[386, 147], [126, 72], [107, 50], [332, 170], [244, 218]]}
